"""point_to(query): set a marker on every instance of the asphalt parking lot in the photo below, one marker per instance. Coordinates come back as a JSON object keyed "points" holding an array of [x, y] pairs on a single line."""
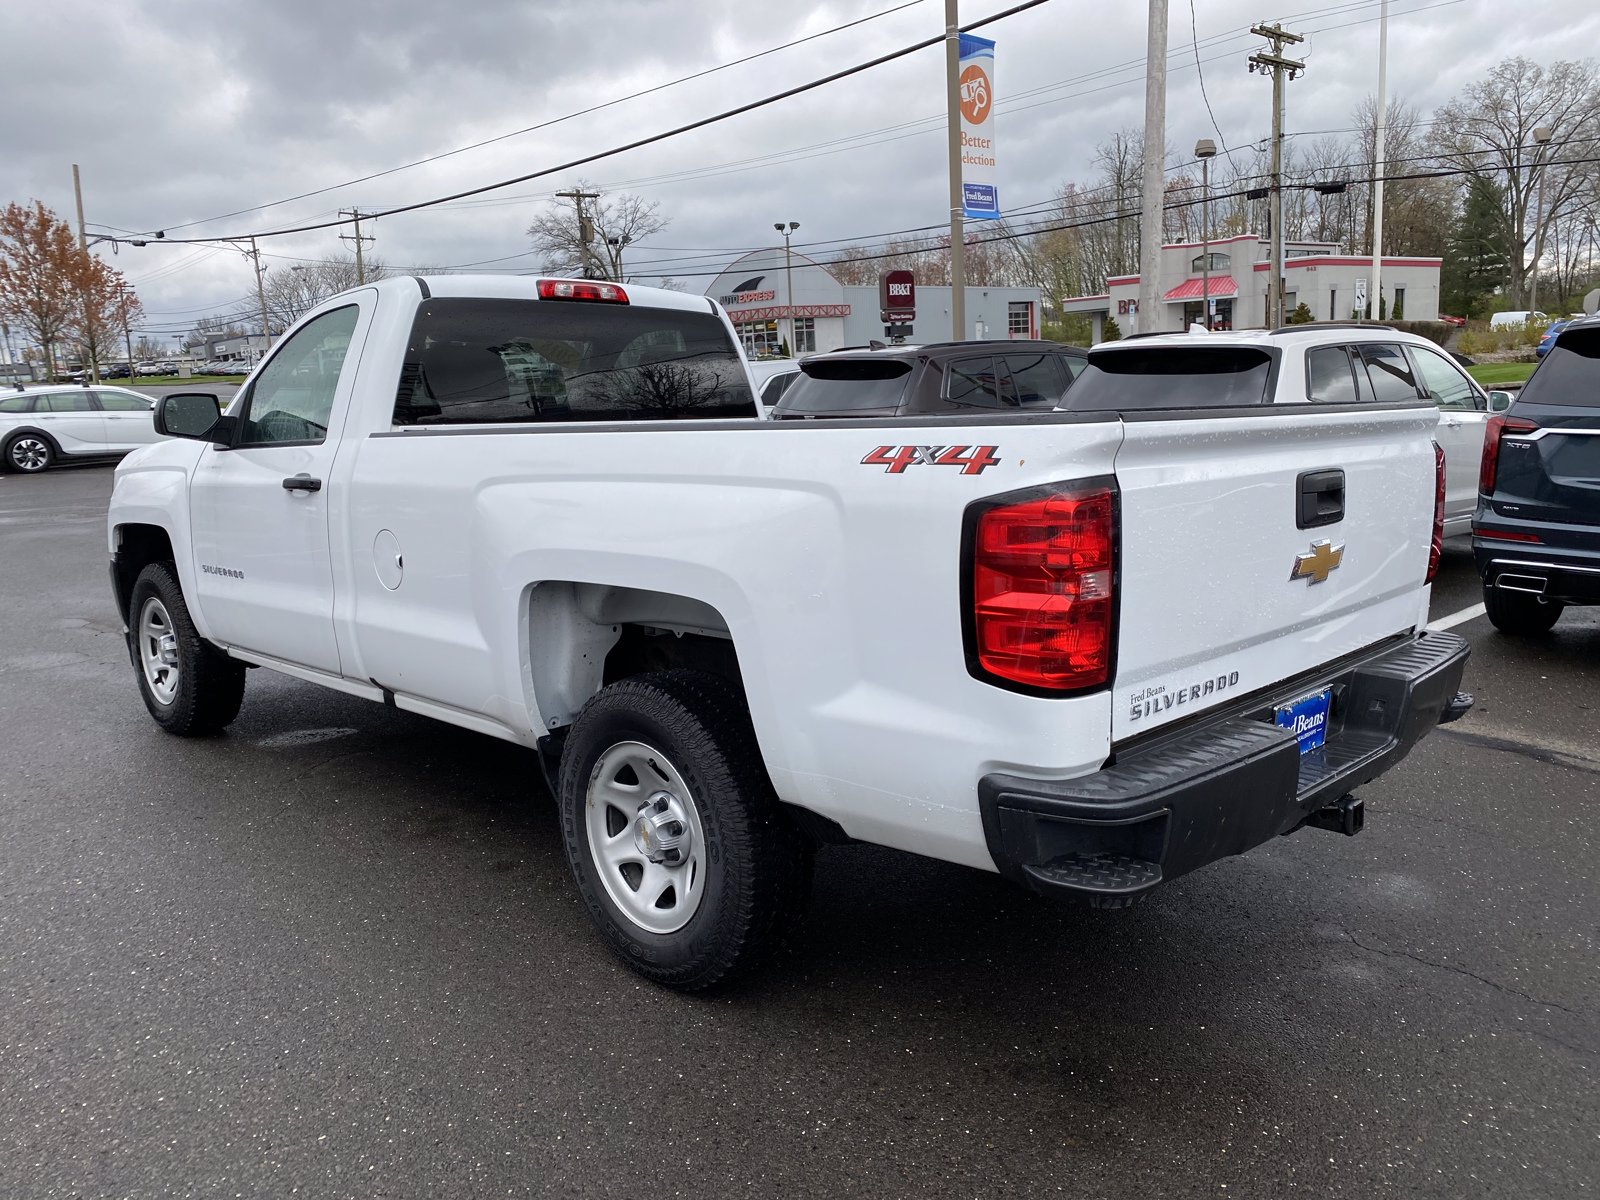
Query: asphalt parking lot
{"points": [[335, 953]]}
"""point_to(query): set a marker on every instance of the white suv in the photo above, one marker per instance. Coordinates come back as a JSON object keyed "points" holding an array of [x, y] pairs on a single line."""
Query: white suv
{"points": [[1325, 364]]}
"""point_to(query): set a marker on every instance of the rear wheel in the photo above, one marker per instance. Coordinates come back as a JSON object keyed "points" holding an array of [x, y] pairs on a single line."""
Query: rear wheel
{"points": [[1519, 612], [28, 453], [190, 687], [679, 847]]}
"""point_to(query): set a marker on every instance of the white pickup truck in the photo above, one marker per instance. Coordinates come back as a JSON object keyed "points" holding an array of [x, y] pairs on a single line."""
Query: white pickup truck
{"points": [[1089, 649]]}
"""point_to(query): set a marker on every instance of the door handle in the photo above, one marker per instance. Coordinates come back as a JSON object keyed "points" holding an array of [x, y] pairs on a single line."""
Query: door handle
{"points": [[302, 483], [1320, 498]]}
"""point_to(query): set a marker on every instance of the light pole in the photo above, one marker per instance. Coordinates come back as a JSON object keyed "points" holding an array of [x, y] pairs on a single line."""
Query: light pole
{"points": [[1205, 150], [1541, 138], [788, 275]]}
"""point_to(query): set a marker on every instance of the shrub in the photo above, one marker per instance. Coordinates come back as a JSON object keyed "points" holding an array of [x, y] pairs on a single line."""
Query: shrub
{"points": [[1301, 315], [1113, 332], [1399, 308], [1530, 333], [1474, 342], [1436, 332]]}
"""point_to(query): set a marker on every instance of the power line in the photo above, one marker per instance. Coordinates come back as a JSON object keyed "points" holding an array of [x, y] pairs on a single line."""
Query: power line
{"points": [[1194, 29], [554, 120], [715, 118]]}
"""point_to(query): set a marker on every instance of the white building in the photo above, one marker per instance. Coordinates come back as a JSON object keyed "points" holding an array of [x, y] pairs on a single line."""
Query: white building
{"points": [[1314, 273], [823, 314]]}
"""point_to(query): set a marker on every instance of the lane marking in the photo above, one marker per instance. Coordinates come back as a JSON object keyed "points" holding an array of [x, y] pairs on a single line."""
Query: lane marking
{"points": [[1458, 618]]}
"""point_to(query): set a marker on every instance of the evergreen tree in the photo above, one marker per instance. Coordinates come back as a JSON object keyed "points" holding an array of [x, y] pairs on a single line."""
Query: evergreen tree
{"points": [[1477, 257]]}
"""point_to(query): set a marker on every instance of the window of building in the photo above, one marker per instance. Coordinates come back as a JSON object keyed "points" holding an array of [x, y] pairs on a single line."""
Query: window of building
{"points": [[1333, 304], [1328, 377], [1219, 262], [1389, 372], [759, 337], [1399, 309], [481, 361], [292, 399], [1019, 319], [805, 335]]}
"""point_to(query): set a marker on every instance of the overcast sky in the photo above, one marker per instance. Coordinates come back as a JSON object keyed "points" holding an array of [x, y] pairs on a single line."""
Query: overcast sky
{"points": [[181, 111]]}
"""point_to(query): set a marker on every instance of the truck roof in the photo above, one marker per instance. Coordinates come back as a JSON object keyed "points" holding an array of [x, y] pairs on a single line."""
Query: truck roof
{"points": [[526, 287]]}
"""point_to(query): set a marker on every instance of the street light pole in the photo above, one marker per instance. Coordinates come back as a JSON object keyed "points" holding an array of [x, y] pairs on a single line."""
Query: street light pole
{"points": [[618, 244], [1541, 138], [1205, 150], [788, 275], [958, 248]]}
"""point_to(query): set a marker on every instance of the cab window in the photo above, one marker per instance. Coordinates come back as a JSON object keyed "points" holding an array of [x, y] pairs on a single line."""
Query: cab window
{"points": [[1389, 372], [1328, 376], [1447, 386], [292, 399]]}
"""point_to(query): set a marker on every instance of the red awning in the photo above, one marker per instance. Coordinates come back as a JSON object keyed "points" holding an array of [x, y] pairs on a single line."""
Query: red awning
{"points": [[1193, 289]]}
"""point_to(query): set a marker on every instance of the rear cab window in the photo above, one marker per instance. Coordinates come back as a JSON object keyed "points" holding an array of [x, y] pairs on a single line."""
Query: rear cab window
{"points": [[1388, 372], [846, 386], [1174, 377], [1330, 376], [498, 361]]}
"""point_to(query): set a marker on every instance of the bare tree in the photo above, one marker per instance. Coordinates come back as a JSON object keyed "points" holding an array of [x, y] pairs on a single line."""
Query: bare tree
{"points": [[1487, 132], [599, 244], [295, 290]]}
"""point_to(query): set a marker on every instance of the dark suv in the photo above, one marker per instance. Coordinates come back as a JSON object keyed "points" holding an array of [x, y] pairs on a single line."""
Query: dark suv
{"points": [[903, 381], [1536, 533]]}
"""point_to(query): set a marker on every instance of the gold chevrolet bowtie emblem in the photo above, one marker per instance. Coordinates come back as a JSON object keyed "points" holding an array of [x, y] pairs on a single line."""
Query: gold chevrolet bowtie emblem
{"points": [[1316, 566]]}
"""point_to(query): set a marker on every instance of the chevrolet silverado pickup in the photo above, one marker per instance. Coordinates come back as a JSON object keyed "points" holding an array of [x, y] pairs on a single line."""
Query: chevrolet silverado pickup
{"points": [[1091, 649]]}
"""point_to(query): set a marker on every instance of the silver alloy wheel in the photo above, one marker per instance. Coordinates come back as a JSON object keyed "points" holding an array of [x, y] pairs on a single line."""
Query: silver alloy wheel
{"points": [[30, 454], [158, 650], [645, 837]]}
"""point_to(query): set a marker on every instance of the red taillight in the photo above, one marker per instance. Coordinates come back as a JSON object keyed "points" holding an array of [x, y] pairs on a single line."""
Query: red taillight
{"points": [[1506, 535], [581, 289], [1436, 544], [1498, 425], [1043, 574]]}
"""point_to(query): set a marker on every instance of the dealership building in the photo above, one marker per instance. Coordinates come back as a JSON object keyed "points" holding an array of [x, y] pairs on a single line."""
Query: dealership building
{"points": [[1314, 273], [818, 313]]}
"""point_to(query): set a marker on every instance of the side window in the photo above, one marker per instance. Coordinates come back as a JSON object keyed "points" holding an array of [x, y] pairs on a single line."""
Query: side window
{"points": [[1074, 364], [118, 402], [975, 383], [1447, 386], [1038, 378], [1389, 372], [16, 404], [777, 386], [78, 401], [1328, 376], [292, 399]]}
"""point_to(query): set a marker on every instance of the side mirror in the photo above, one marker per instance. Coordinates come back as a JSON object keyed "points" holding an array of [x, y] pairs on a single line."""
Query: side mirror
{"points": [[195, 415], [1499, 401]]}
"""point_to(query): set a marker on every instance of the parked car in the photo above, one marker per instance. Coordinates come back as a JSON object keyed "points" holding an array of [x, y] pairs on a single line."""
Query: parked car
{"points": [[1516, 319], [772, 378], [1549, 338], [1456, 322], [1536, 534], [43, 426], [938, 379], [148, 369], [1091, 651]]}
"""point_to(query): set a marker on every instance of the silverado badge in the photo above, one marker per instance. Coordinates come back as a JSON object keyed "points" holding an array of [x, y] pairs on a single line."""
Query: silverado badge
{"points": [[1322, 560]]}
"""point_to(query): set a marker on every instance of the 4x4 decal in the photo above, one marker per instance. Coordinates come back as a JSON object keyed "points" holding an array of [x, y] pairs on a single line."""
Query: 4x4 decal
{"points": [[895, 459]]}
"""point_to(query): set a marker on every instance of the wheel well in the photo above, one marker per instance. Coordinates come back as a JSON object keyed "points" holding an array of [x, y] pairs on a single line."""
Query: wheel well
{"points": [[31, 432], [137, 547], [583, 636]]}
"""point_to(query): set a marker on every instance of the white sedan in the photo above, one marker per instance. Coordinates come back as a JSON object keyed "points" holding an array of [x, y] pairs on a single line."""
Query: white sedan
{"points": [[41, 426]]}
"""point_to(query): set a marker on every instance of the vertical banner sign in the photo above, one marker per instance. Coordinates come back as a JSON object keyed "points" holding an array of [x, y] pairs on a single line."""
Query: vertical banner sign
{"points": [[979, 197]]}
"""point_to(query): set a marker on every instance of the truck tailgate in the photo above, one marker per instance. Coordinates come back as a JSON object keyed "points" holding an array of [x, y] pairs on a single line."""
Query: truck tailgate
{"points": [[1222, 592]]}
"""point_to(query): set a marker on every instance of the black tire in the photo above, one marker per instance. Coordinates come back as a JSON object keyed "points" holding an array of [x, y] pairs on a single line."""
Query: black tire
{"points": [[209, 688], [758, 866], [28, 454], [1519, 613]]}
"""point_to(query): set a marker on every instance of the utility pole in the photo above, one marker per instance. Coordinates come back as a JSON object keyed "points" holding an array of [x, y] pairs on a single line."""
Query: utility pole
{"points": [[83, 247], [958, 247], [261, 292], [1541, 139], [1152, 192], [1379, 151], [1275, 63], [361, 269], [585, 228]]}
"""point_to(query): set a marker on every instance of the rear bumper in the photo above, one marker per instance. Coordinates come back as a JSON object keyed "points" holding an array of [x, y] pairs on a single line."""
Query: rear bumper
{"points": [[1564, 575], [1220, 786]]}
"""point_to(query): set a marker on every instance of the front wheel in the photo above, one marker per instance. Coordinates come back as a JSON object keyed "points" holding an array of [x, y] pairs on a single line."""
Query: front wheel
{"points": [[190, 687], [28, 454], [1520, 612], [678, 845]]}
